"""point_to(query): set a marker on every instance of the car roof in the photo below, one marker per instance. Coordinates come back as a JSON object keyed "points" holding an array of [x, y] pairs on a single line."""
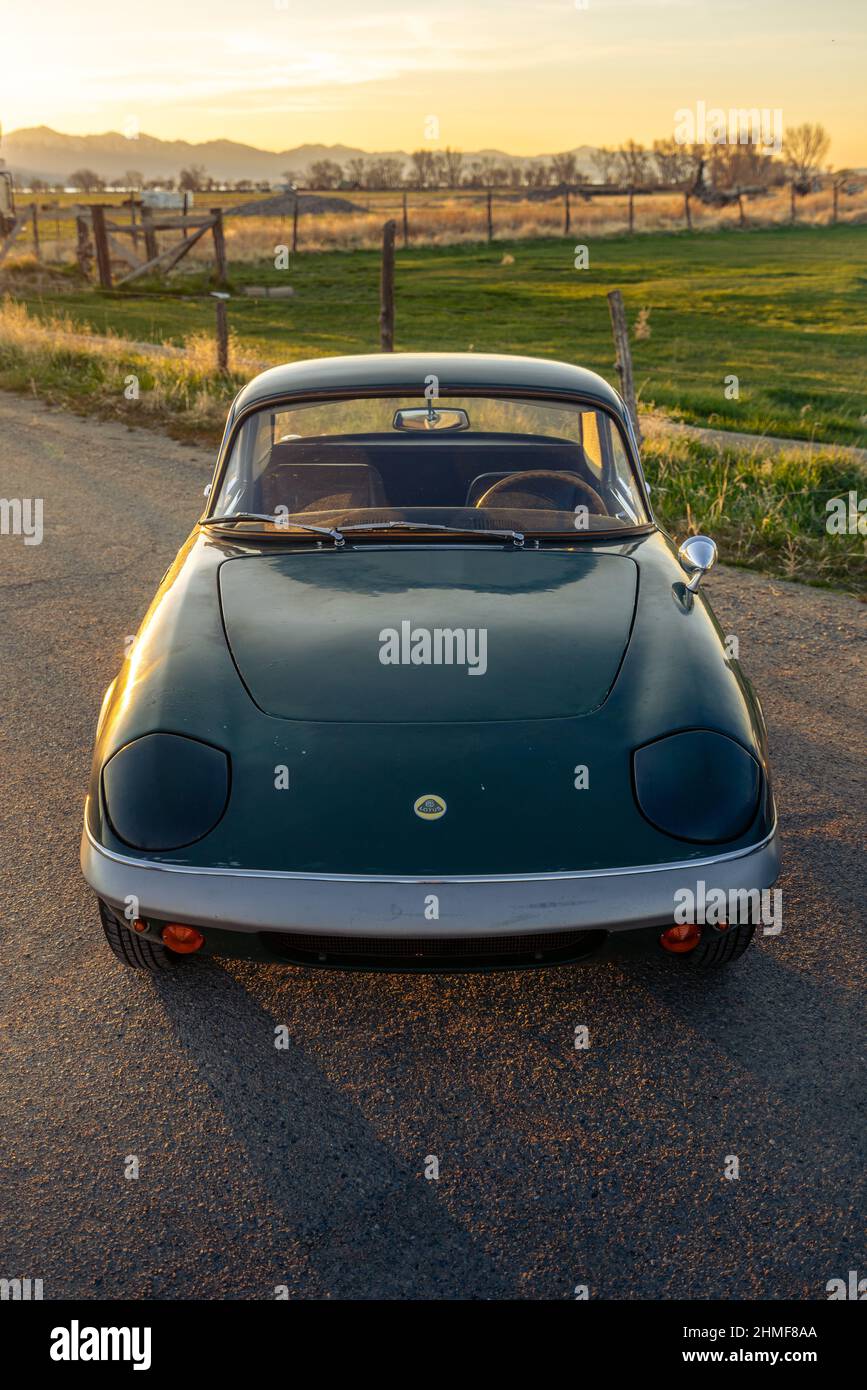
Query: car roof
{"points": [[455, 371]]}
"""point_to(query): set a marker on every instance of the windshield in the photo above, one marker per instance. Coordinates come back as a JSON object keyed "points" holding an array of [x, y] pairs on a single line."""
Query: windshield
{"points": [[471, 463]]}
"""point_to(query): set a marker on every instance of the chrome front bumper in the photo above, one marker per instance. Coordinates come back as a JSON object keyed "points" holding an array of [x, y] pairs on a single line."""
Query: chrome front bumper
{"points": [[614, 900]]}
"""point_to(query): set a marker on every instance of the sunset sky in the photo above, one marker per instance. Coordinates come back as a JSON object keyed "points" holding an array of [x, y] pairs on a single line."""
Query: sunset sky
{"points": [[519, 76]]}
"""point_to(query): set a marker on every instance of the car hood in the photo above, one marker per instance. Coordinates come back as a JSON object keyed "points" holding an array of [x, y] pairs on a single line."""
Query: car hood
{"points": [[399, 634], [321, 794]]}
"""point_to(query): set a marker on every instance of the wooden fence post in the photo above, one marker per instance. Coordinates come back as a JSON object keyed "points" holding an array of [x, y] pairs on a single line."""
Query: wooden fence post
{"points": [[150, 236], [222, 337], [632, 209], [792, 203], [490, 217], [567, 214], [687, 212], [743, 220], [624, 356], [835, 188], [83, 251], [34, 213], [219, 245], [405, 221], [103, 258], [386, 290], [295, 225]]}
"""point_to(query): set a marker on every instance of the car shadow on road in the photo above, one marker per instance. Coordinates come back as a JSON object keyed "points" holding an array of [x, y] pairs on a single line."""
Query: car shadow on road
{"points": [[792, 1034], [488, 1060], [368, 1225]]}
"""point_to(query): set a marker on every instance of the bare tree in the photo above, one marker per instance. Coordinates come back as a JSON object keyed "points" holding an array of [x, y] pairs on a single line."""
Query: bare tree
{"points": [[193, 180], [438, 169], [537, 174], [740, 166], [604, 163], [668, 159], [634, 164], [453, 162], [674, 163], [392, 172], [87, 180], [355, 170], [490, 174], [693, 164], [324, 173], [383, 173], [372, 174], [564, 167], [133, 180], [424, 166], [805, 147]]}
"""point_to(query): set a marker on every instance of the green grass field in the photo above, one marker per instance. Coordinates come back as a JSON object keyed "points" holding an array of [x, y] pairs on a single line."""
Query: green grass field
{"points": [[783, 310]]}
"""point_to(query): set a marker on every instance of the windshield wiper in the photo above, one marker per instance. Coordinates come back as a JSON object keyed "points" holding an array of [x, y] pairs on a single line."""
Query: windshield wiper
{"points": [[516, 536], [279, 521], [338, 536]]}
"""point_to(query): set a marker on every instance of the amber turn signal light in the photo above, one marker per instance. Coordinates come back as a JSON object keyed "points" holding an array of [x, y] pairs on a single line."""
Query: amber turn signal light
{"points": [[185, 940], [683, 937]]}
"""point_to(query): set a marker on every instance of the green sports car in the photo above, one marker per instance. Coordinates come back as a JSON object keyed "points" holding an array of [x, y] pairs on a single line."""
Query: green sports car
{"points": [[427, 688]]}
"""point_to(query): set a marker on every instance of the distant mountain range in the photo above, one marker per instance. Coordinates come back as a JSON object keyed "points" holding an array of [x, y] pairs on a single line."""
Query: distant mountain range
{"points": [[47, 154]]}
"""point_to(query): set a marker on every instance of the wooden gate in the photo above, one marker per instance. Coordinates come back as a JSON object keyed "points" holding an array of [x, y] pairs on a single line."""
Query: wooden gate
{"points": [[117, 231]]}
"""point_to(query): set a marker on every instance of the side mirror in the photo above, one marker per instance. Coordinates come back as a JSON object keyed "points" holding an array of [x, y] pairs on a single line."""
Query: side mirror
{"points": [[697, 555]]}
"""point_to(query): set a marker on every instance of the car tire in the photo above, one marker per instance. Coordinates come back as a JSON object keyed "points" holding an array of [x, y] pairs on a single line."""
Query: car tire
{"points": [[721, 947], [130, 948]]}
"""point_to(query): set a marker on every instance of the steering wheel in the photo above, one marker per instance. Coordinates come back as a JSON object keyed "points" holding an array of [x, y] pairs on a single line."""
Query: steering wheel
{"points": [[533, 482]]}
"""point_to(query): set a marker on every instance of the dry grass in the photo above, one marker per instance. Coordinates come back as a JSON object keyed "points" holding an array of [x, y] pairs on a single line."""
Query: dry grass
{"points": [[437, 219], [458, 220], [58, 360]]}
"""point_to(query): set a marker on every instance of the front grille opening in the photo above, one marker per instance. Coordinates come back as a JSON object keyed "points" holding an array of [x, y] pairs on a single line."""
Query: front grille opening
{"points": [[434, 952]]}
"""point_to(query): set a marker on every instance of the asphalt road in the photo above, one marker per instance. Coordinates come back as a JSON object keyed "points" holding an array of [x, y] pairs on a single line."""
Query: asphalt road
{"points": [[306, 1167]]}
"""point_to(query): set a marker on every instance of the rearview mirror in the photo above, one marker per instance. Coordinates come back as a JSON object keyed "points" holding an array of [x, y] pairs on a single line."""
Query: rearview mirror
{"points": [[430, 418], [698, 554]]}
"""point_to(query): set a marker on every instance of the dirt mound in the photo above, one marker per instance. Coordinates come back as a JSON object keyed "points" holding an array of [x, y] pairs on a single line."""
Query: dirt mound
{"points": [[283, 204]]}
